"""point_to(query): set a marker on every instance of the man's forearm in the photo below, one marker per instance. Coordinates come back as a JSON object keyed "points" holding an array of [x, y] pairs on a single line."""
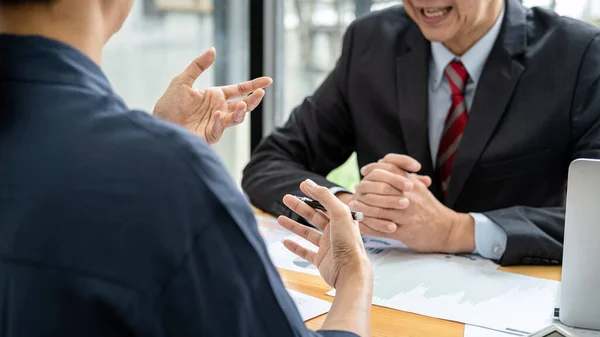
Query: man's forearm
{"points": [[351, 309]]}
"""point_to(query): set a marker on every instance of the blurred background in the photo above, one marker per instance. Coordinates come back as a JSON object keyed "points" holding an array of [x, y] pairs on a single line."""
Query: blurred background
{"points": [[295, 41]]}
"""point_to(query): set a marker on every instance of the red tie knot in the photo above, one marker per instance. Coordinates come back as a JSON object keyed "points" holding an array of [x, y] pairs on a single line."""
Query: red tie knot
{"points": [[457, 76]]}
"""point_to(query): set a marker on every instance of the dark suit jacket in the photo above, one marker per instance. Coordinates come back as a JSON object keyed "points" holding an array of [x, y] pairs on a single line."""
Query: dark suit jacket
{"points": [[536, 108], [114, 223]]}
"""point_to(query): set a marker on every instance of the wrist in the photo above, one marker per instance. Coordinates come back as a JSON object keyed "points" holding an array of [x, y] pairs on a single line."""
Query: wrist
{"points": [[461, 238], [359, 275]]}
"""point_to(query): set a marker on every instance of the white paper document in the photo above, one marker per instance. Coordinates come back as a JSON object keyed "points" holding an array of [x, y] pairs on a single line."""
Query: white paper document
{"points": [[273, 235], [475, 331], [463, 289], [308, 306]]}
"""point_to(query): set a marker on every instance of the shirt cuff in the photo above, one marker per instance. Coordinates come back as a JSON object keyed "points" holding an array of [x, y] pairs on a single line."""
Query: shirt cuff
{"points": [[490, 239], [336, 189]]}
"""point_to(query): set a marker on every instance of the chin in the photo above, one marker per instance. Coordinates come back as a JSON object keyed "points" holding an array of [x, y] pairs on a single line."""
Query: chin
{"points": [[438, 35]]}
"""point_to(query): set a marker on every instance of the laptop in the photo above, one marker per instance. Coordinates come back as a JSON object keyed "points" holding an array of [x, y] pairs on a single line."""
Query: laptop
{"points": [[580, 289]]}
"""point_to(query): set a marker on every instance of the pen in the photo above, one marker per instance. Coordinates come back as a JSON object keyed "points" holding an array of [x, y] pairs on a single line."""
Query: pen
{"points": [[358, 216]]}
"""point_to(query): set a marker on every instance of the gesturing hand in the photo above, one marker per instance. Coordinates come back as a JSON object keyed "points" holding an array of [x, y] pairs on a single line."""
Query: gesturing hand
{"points": [[341, 256], [208, 112]]}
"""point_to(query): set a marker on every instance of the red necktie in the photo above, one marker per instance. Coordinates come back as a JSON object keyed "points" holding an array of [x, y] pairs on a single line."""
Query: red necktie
{"points": [[456, 120]]}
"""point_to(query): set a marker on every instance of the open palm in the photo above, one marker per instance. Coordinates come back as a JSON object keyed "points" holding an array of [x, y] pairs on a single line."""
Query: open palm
{"points": [[339, 242], [208, 112]]}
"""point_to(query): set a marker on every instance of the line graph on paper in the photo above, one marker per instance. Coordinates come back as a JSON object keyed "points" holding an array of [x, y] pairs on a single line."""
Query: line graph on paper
{"points": [[465, 289]]}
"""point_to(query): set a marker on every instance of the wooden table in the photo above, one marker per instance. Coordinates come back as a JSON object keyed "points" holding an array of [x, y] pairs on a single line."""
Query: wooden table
{"points": [[389, 322]]}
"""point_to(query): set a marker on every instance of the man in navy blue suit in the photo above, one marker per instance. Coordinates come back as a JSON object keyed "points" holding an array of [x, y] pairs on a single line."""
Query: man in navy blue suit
{"points": [[118, 223]]}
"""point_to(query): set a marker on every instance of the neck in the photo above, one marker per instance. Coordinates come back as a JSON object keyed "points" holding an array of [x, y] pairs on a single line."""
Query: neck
{"points": [[79, 26], [465, 41]]}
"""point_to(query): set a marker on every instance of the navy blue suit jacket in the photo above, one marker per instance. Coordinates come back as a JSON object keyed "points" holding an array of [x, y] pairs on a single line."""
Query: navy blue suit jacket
{"points": [[114, 223]]}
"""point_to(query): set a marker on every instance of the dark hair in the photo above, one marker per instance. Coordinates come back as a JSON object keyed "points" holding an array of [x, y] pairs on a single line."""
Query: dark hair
{"points": [[25, 2]]}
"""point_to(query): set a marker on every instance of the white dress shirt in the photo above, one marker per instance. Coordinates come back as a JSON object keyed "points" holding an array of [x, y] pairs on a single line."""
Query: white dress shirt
{"points": [[490, 239]]}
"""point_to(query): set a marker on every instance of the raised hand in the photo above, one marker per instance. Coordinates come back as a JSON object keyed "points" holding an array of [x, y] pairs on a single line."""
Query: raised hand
{"points": [[341, 256], [208, 112]]}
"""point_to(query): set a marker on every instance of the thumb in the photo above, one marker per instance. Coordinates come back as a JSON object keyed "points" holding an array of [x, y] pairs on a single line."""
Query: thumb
{"points": [[197, 67]]}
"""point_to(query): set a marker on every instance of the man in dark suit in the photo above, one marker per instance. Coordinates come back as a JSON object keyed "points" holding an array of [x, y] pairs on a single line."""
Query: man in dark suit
{"points": [[486, 100]]}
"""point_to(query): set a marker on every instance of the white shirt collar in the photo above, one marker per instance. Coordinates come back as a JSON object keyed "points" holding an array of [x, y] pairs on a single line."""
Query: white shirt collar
{"points": [[473, 60]]}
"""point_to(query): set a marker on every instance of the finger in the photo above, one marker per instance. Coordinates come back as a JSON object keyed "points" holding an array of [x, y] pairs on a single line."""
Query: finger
{"points": [[244, 88], [403, 162], [197, 67], [426, 180], [336, 209], [365, 170], [300, 251], [216, 129], [379, 225], [310, 234], [397, 181], [375, 187], [375, 212], [313, 216], [366, 230], [384, 201], [251, 101], [254, 100], [237, 116]]}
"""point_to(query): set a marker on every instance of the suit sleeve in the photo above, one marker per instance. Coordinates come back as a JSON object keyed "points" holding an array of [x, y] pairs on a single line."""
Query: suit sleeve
{"points": [[317, 138], [535, 235]]}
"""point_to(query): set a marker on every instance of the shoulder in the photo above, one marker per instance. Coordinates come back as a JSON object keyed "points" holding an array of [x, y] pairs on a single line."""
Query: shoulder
{"points": [[377, 33], [395, 15], [548, 27], [193, 158], [385, 24], [155, 188], [190, 154]]}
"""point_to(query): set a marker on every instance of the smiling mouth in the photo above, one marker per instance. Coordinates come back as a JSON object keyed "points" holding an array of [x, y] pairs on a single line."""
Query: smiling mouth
{"points": [[435, 12]]}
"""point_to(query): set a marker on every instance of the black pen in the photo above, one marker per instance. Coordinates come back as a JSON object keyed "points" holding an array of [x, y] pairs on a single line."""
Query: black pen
{"points": [[358, 216]]}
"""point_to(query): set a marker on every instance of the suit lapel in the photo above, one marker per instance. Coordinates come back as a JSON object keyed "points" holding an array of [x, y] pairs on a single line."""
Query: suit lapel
{"points": [[412, 67], [498, 81]]}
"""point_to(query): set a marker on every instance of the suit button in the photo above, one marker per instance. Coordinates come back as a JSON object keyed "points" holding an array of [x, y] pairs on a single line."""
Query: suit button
{"points": [[527, 260]]}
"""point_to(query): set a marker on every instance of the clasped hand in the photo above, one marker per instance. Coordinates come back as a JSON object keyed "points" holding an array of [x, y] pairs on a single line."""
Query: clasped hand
{"points": [[208, 112], [398, 205]]}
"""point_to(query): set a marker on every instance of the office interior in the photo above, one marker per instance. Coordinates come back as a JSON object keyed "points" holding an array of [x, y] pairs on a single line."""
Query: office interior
{"points": [[295, 41]]}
